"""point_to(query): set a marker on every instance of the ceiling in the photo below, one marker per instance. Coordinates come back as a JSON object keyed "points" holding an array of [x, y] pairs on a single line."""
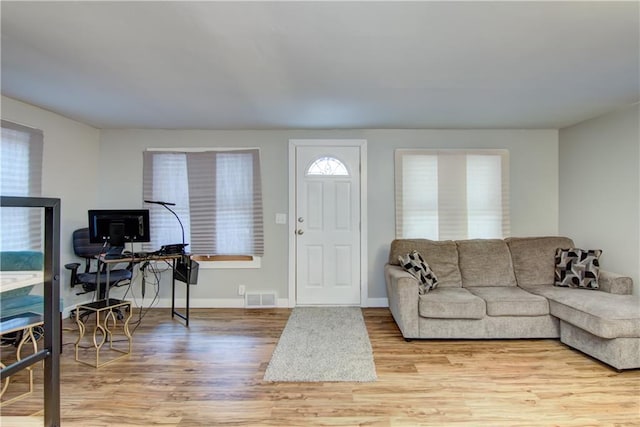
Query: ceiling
{"points": [[322, 65]]}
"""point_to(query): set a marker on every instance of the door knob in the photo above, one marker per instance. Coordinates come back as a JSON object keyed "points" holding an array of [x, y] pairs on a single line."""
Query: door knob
{"points": [[301, 219], [300, 231]]}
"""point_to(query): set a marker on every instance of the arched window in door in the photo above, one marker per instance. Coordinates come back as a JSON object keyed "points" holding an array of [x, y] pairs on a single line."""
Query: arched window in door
{"points": [[327, 166]]}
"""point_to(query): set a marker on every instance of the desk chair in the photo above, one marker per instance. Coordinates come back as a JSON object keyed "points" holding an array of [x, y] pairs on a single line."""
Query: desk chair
{"points": [[88, 279]]}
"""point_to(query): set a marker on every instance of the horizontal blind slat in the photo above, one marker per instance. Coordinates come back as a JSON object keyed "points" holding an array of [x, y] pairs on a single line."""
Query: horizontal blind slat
{"points": [[224, 199]]}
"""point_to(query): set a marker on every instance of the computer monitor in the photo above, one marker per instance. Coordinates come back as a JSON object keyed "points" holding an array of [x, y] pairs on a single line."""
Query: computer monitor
{"points": [[118, 226]]}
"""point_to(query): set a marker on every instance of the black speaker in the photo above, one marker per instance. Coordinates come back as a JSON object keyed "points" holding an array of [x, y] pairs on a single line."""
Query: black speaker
{"points": [[186, 271]]}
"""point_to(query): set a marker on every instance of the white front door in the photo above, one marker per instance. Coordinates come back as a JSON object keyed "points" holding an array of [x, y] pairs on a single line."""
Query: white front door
{"points": [[327, 225]]}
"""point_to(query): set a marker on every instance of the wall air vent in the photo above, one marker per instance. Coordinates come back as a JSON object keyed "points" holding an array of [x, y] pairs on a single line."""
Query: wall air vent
{"points": [[260, 299]]}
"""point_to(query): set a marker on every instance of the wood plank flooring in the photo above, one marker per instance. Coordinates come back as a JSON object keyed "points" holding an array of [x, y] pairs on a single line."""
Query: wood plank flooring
{"points": [[211, 375]]}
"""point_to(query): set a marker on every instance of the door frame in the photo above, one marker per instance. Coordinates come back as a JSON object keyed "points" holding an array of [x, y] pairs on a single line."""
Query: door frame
{"points": [[291, 224]]}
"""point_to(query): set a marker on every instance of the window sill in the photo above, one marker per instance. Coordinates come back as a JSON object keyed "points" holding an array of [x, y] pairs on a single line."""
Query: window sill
{"points": [[227, 261]]}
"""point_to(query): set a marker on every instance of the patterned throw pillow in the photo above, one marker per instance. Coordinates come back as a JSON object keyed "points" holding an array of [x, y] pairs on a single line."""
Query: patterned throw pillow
{"points": [[577, 268], [418, 267]]}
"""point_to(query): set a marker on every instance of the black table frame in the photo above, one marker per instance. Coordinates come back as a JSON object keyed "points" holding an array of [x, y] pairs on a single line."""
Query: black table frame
{"points": [[172, 260]]}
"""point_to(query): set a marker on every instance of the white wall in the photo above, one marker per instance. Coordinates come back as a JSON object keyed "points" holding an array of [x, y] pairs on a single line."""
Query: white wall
{"points": [[70, 160], [600, 190], [90, 169], [534, 189], [533, 182], [121, 160]]}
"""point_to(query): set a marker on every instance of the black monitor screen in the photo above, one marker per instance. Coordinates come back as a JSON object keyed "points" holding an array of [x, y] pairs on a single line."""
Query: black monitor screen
{"points": [[119, 226]]}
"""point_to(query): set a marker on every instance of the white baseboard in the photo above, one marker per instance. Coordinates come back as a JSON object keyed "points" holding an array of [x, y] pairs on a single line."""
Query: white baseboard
{"points": [[220, 303], [239, 302], [181, 303], [213, 303], [66, 312], [378, 302], [203, 303]]}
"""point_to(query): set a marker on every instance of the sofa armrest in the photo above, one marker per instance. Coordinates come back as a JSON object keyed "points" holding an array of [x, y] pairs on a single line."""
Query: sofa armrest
{"points": [[402, 292], [615, 283]]}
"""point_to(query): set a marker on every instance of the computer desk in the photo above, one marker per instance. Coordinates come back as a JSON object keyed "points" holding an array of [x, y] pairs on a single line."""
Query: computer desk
{"points": [[171, 259]]}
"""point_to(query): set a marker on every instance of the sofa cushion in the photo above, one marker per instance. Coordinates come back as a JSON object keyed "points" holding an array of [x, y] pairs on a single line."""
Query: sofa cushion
{"points": [[577, 268], [21, 260], [21, 304], [451, 303], [485, 262], [442, 257], [534, 258], [18, 292], [418, 268], [600, 313], [511, 301]]}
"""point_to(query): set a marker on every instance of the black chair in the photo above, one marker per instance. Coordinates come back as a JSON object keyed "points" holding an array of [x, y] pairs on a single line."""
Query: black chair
{"points": [[88, 279]]}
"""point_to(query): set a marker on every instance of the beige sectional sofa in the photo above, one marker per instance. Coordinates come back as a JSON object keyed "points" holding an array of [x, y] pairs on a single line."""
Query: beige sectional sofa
{"points": [[492, 288]]}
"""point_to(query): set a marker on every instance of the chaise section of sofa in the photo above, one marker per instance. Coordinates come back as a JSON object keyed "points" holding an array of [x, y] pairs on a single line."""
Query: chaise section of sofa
{"points": [[601, 324], [491, 288]]}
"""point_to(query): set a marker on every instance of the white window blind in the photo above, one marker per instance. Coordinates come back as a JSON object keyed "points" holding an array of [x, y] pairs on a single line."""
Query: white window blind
{"points": [[20, 175], [165, 178], [218, 196], [452, 194]]}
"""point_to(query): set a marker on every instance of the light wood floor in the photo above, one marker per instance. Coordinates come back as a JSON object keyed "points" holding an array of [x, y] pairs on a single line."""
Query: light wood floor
{"points": [[211, 374]]}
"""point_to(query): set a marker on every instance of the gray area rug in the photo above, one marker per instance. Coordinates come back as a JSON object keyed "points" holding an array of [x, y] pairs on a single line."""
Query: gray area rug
{"points": [[323, 344]]}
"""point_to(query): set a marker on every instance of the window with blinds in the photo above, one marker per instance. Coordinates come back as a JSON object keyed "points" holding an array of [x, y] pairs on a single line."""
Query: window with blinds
{"points": [[20, 175], [218, 196], [452, 194]]}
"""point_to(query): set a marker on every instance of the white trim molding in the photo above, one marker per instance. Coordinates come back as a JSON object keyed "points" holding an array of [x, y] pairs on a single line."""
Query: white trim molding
{"points": [[213, 303], [377, 302], [181, 304]]}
